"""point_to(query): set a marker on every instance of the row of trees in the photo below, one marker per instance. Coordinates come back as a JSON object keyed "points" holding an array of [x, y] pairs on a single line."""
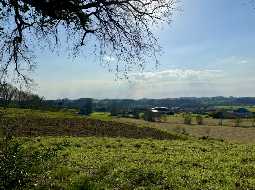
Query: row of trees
{"points": [[237, 122], [11, 96]]}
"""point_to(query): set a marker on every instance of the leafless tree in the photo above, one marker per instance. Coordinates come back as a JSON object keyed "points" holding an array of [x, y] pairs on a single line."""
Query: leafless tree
{"points": [[7, 93], [119, 29]]}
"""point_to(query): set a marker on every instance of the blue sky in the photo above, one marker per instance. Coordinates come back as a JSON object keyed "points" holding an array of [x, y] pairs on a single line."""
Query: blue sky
{"points": [[208, 50]]}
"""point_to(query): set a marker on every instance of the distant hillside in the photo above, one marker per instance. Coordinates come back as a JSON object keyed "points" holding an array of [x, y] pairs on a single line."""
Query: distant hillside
{"points": [[185, 102]]}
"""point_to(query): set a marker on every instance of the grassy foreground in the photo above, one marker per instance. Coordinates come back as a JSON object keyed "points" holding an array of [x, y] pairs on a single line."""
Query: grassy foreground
{"points": [[61, 150], [119, 163]]}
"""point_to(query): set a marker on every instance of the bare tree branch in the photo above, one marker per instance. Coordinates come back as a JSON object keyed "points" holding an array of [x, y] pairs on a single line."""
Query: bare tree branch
{"points": [[121, 28]]}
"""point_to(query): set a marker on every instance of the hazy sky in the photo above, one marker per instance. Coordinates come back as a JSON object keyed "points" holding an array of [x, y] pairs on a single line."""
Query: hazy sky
{"points": [[208, 50]]}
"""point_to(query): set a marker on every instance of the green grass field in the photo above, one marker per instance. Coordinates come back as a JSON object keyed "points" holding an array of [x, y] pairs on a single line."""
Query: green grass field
{"points": [[63, 150], [121, 163], [17, 113]]}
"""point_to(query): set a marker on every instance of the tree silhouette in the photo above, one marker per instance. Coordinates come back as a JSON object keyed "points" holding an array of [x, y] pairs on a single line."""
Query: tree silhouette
{"points": [[120, 29]]}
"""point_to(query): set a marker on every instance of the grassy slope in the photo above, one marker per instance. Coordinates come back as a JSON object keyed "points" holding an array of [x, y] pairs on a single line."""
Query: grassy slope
{"points": [[119, 163], [128, 163], [18, 113]]}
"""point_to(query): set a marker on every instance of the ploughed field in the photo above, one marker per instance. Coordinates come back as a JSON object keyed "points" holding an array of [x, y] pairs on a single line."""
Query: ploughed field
{"points": [[28, 123], [60, 150]]}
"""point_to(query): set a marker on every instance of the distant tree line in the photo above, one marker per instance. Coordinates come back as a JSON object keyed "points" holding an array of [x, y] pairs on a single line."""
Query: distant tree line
{"points": [[195, 105], [11, 96]]}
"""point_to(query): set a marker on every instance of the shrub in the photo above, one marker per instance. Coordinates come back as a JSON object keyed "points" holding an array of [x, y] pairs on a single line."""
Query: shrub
{"points": [[163, 118], [187, 118], [199, 119], [141, 116], [253, 121], [14, 167], [136, 115], [238, 121], [19, 167], [221, 122]]}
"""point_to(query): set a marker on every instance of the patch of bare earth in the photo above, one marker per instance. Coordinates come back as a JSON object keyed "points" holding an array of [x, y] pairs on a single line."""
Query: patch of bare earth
{"points": [[82, 127]]}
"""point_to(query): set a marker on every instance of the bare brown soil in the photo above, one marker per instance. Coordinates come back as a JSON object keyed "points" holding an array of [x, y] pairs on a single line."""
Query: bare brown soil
{"points": [[24, 126]]}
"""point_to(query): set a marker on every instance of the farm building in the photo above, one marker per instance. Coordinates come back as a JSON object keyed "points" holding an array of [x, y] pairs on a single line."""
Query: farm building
{"points": [[162, 110]]}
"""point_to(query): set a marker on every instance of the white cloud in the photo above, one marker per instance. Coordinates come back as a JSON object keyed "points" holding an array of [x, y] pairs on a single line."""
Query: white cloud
{"points": [[160, 84], [177, 75], [79, 89], [174, 83], [244, 61], [234, 60]]}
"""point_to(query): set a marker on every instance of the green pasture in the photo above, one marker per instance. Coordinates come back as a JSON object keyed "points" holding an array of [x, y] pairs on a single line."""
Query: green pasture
{"points": [[121, 163]]}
